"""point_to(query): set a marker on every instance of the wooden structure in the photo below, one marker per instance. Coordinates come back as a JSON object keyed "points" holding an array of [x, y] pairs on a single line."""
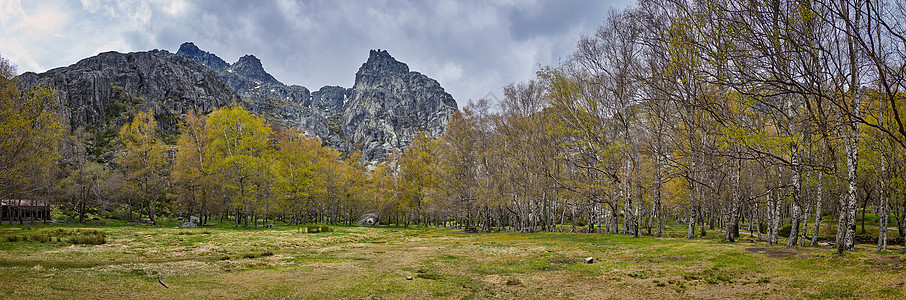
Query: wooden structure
{"points": [[23, 209]]}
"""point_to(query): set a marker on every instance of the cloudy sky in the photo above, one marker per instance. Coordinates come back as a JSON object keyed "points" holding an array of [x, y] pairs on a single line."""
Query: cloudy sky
{"points": [[471, 47]]}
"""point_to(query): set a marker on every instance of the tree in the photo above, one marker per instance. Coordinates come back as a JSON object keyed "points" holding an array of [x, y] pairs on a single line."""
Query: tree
{"points": [[417, 166], [191, 168], [30, 134], [144, 161], [239, 150], [296, 161]]}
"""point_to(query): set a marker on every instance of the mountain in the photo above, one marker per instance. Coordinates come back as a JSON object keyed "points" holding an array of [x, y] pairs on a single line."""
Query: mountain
{"points": [[379, 115], [99, 91], [389, 104]]}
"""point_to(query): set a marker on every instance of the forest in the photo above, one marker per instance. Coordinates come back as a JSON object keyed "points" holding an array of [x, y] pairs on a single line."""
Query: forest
{"points": [[731, 116]]}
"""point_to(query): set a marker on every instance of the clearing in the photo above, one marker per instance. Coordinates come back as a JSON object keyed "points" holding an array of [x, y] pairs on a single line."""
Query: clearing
{"points": [[374, 262]]}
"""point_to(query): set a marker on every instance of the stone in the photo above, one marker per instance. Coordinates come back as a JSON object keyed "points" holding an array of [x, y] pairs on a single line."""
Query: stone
{"points": [[369, 219], [408, 277], [589, 260], [191, 223]]}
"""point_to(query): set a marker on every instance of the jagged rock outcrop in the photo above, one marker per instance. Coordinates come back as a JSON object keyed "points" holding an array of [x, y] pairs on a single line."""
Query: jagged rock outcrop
{"points": [[390, 104], [260, 91], [330, 98], [250, 67], [247, 77], [97, 89], [209, 59], [380, 114]]}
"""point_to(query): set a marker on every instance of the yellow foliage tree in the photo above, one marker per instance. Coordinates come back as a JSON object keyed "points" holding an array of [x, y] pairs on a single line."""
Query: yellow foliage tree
{"points": [[191, 167], [239, 150], [30, 135], [144, 161]]}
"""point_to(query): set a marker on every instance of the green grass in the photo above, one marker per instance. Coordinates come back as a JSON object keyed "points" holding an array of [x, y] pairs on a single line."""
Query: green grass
{"points": [[365, 262]]}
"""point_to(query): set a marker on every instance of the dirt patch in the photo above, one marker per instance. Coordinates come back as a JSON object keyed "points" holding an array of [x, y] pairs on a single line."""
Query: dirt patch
{"points": [[772, 251]]}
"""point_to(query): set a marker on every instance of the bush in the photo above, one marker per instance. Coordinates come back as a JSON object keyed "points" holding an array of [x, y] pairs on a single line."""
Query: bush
{"points": [[40, 237], [88, 237]]}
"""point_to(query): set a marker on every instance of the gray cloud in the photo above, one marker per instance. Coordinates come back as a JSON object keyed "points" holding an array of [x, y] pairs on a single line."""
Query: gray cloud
{"points": [[471, 47]]}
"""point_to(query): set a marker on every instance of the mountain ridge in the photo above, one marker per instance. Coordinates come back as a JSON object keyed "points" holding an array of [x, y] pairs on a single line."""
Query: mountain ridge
{"points": [[379, 115]]}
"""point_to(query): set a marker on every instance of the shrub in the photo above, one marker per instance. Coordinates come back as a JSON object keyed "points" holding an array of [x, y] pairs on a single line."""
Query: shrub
{"points": [[40, 237], [88, 237]]}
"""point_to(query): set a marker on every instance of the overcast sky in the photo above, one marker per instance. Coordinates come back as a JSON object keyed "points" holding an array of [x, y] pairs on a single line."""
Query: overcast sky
{"points": [[471, 47]]}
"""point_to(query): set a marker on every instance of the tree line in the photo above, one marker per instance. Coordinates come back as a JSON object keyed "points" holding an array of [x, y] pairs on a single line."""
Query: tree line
{"points": [[709, 114]]}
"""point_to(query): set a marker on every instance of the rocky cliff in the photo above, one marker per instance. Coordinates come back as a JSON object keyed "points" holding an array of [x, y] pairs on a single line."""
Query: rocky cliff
{"points": [[97, 90], [380, 114], [389, 105]]}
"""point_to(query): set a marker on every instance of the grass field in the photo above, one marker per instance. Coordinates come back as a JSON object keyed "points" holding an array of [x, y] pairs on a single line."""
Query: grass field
{"points": [[373, 262]]}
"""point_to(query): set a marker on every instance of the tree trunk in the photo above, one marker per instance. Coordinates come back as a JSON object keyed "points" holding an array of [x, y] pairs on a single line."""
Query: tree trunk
{"points": [[732, 217], [851, 129], [818, 196], [804, 230], [795, 209], [883, 214], [657, 198]]}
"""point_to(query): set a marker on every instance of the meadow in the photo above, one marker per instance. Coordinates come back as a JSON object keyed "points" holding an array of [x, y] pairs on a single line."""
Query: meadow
{"points": [[56, 261]]}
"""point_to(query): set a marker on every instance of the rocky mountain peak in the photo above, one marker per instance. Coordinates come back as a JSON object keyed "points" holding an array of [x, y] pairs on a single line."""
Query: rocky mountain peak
{"points": [[380, 61], [250, 67], [388, 105], [189, 50]]}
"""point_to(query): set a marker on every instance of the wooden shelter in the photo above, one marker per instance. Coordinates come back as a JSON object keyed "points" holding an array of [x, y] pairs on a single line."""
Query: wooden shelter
{"points": [[20, 209]]}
